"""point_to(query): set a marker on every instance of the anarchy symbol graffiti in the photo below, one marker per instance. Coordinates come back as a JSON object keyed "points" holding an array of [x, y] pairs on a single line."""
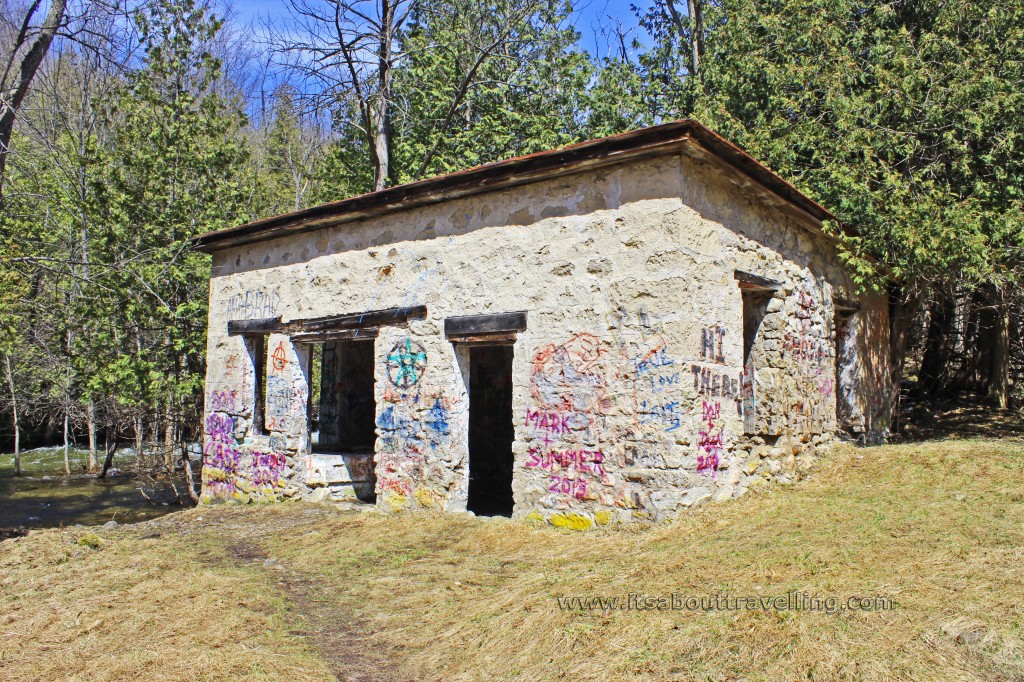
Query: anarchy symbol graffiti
{"points": [[406, 363], [279, 357]]}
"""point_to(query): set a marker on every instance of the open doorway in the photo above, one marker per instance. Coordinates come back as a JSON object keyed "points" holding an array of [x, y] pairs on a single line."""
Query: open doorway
{"points": [[342, 410], [490, 430]]}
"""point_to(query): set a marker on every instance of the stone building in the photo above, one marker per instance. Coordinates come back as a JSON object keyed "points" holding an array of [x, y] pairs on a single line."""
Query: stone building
{"points": [[610, 331]]}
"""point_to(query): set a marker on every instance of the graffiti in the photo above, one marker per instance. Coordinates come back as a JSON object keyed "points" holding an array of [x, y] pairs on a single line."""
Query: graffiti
{"points": [[655, 359], [709, 383], [231, 471], [804, 305], [576, 487], [279, 397], [253, 305], [224, 401], [711, 411], [410, 425], [279, 357], [284, 399], [665, 413], [406, 363], [231, 365], [437, 417], [398, 471], [712, 344], [806, 349], [575, 461], [267, 468], [709, 448], [569, 394], [656, 397], [548, 423], [221, 458], [581, 460], [569, 377]]}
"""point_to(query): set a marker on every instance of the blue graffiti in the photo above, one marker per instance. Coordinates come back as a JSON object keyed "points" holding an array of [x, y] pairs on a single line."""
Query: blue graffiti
{"points": [[437, 418], [657, 359]]}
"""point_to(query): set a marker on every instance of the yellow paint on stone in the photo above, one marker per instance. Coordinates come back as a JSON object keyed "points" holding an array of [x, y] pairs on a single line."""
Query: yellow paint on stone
{"points": [[427, 498], [571, 521], [603, 517], [396, 501]]}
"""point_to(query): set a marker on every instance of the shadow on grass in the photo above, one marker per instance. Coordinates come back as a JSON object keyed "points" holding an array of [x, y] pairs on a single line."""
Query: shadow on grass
{"points": [[924, 421]]}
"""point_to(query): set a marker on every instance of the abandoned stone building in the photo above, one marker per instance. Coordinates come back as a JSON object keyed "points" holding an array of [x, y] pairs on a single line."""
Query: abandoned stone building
{"points": [[610, 331]]}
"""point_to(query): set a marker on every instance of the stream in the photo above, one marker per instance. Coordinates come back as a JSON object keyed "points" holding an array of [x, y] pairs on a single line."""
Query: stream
{"points": [[44, 497]]}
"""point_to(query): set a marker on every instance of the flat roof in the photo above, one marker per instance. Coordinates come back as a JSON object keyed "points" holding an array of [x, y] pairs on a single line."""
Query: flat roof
{"points": [[684, 136]]}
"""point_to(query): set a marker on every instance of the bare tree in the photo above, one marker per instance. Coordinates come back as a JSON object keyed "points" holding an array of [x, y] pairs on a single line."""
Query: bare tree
{"points": [[347, 50], [691, 30], [21, 61]]}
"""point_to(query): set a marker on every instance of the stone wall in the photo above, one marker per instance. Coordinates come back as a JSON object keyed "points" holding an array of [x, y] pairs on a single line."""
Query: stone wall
{"points": [[631, 397]]}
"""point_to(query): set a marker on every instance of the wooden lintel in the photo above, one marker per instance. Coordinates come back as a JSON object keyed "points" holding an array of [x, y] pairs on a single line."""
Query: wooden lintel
{"points": [[494, 339], [751, 282], [363, 334], [471, 325], [370, 319], [264, 326], [843, 305]]}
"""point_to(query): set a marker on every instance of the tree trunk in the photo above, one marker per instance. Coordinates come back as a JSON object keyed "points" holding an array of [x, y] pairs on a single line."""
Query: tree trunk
{"points": [[67, 462], [109, 459], [139, 436], [168, 453], [381, 108], [189, 477], [92, 435], [935, 363], [999, 367], [14, 414], [902, 308]]}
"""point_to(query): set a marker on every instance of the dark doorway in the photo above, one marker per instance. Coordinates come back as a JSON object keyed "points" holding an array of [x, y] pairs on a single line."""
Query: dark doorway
{"points": [[490, 431], [347, 410]]}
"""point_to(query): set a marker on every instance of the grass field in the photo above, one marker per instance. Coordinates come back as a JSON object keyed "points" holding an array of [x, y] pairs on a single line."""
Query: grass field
{"points": [[301, 592]]}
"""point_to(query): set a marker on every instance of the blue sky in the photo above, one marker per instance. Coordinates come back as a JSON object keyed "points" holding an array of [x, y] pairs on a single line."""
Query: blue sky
{"points": [[595, 16]]}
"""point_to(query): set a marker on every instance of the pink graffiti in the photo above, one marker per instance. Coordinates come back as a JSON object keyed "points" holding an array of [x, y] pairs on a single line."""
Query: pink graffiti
{"points": [[224, 400], [712, 411], [219, 424], [221, 452], [551, 422], [709, 447], [577, 487], [589, 461], [267, 467]]}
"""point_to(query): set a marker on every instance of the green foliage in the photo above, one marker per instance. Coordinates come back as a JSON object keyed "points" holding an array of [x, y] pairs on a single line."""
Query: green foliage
{"points": [[171, 173], [905, 119]]}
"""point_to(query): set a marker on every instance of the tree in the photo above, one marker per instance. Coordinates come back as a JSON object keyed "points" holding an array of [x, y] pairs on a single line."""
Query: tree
{"points": [[172, 172], [346, 50], [904, 118], [27, 46]]}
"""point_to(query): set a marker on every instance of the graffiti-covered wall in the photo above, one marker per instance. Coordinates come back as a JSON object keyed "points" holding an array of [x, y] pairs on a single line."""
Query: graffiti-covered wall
{"points": [[644, 383]]}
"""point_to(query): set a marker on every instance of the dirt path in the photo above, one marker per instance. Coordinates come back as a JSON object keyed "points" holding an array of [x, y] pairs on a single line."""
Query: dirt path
{"points": [[352, 654]]}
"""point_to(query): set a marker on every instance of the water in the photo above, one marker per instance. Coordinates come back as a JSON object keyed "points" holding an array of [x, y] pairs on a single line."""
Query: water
{"points": [[43, 497]]}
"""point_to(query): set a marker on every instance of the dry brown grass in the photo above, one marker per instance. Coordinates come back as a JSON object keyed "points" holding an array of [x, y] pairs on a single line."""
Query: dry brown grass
{"points": [[938, 527]]}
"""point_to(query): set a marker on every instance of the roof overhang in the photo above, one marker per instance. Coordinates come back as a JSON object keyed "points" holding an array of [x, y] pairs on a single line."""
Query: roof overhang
{"points": [[685, 136]]}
